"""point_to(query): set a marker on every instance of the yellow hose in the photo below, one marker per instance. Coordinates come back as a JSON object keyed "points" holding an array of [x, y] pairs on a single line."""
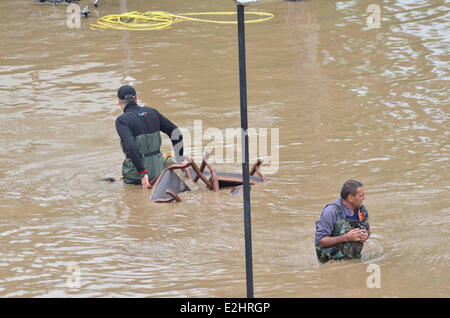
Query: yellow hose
{"points": [[158, 20]]}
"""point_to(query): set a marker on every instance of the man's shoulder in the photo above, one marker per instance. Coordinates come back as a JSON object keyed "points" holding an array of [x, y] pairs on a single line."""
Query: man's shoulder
{"points": [[334, 205], [149, 109], [121, 117], [332, 208]]}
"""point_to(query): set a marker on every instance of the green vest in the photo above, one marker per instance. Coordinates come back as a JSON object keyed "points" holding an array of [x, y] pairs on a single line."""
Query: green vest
{"points": [[345, 250], [149, 147]]}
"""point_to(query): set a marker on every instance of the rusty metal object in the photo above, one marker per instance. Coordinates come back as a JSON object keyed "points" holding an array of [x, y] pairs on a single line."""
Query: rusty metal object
{"points": [[199, 172], [173, 197], [256, 169], [219, 180], [167, 186]]}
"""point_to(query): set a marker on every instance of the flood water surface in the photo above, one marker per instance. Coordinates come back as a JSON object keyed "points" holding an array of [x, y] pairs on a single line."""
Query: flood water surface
{"points": [[347, 99]]}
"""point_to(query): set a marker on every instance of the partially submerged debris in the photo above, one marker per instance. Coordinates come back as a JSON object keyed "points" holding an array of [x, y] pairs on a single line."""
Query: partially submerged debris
{"points": [[167, 186]]}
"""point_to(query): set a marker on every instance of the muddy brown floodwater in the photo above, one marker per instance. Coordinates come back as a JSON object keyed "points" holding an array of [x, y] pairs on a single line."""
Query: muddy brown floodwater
{"points": [[348, 98]]}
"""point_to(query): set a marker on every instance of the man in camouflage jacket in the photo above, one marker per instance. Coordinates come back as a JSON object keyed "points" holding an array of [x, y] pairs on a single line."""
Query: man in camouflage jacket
{"points": [[343, 226]]}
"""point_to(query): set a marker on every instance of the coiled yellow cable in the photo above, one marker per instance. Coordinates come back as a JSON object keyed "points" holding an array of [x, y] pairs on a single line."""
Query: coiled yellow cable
{"points": [[158, 20]]}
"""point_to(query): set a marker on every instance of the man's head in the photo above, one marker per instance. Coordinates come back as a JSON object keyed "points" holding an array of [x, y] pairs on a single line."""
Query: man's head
{"points": [[126, 94], [353, 192]]}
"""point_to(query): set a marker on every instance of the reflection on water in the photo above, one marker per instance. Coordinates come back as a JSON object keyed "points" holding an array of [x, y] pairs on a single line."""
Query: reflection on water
{"points": [[349, 102]]}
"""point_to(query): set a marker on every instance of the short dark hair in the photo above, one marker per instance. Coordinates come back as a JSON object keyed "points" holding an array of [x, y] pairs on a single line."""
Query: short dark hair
{"points": [[350, 187], [126, 101]]}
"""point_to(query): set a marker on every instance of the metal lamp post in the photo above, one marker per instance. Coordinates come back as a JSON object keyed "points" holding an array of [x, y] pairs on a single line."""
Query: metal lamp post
{"points": [[245, 156]]}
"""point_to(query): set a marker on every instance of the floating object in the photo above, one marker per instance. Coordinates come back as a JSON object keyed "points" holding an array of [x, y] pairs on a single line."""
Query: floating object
{"points": [[97, 3], [219, 180], [110, 179], [54, 2], [159, 20], [167, 186], [85, 11]]}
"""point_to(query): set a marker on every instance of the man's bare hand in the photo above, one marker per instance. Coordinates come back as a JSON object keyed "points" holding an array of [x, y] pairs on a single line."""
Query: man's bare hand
{"points": [[357, 235], [145, 182], [364, 236]]}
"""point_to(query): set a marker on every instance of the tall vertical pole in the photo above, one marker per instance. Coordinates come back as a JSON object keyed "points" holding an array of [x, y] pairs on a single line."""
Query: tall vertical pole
{"points": [[245, 155]]}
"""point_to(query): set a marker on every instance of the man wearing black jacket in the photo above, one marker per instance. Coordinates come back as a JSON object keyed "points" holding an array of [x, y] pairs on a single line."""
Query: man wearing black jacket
{"points": [[139, 130]]}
